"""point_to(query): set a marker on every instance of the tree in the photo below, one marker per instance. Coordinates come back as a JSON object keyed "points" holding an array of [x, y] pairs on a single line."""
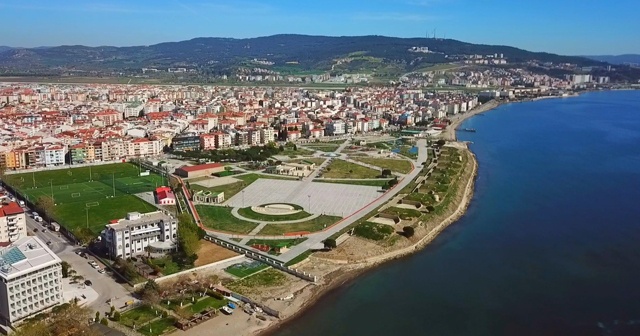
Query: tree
{"points": [[151, 285], [295, 147], [112, 311], [408, 231], [392, 182], [440, 143], [386, 172], [116, 316], [65, 269], [330, 243], [45, 204], [431, 208], [97, 316], [104, 321]]}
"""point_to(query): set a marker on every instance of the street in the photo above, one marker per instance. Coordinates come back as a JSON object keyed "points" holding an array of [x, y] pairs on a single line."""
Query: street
{"points": [[104, 284]]}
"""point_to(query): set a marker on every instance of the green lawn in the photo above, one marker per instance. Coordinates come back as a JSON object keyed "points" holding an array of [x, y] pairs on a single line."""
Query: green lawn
{"points": [[245, 269], [400, 166], [323, 146], [317, 161], [299, 258], [276, 242], [105, 190], [314, 225], [373, 231], [270, 277], [138, 316], [158, 327], [342, 169], [74, 216], [288, 151], [167, 265], [403, 213], [207, 303], [373, 183], [220, 218], [249, 213]]}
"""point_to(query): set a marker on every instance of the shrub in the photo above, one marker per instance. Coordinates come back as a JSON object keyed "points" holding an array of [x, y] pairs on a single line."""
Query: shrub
{"points": [[116, 316], [408, 231], [217, 295], [373, 231], [104, 321], [330, 243]]}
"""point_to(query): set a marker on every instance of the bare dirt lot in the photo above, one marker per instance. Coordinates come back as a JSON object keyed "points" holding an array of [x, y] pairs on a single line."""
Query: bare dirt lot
{"points": [[210, 252]]}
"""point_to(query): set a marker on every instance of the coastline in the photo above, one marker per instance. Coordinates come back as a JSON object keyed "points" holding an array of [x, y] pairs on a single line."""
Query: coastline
{"points": [[354, 268]]}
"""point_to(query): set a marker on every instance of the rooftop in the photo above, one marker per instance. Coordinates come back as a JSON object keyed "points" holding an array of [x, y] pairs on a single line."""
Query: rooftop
{"points": [[10, 209], [135, 218], [25, 255]]}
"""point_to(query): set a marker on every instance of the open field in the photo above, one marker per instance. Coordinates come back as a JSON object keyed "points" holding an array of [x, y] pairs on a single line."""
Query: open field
{"points": [[210, 253], [399, 166], [245, 269], [158, 327], [138, 316], [233, 188], [87, 198], [314, 225], [342, 169], [220, 218], [270, 277]]}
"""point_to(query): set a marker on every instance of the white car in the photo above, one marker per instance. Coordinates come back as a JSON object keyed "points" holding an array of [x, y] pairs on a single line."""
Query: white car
{"points": [[227, 310], [100, 270], [95, 266]]}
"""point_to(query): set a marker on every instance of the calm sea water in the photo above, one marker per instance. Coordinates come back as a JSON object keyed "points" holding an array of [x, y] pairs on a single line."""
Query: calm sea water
{"points": [[550, 244]]}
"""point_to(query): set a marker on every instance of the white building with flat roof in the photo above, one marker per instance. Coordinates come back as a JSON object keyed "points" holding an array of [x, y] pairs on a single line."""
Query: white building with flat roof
{"points": [[30, 280], [130, 236]]}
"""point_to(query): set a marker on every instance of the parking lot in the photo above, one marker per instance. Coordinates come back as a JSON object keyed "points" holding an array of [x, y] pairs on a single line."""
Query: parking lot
{"points": [[314, 197]]}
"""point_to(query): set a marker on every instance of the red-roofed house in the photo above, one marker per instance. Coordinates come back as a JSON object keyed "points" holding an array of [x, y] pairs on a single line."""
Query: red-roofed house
{"points": [[13, 223], [199, 170], [164, 196]]}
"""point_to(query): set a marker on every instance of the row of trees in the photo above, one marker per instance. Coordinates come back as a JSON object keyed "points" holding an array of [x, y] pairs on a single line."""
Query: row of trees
{"points": [[65, 319], [189, 237], [254, 153]]}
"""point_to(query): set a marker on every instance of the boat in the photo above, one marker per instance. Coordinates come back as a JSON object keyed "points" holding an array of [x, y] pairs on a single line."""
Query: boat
{"points": [[470, 130]]}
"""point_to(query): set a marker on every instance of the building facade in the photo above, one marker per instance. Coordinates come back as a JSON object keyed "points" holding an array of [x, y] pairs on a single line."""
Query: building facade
{"points": [[30, 280], [13, 223], [130, 236]]}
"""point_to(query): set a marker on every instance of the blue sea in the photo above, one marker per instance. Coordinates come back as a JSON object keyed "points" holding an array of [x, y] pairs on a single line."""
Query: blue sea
{"points": [[550, 244]]}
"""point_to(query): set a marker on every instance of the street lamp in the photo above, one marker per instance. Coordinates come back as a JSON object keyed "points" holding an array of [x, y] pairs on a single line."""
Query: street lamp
{"points": [[52, 199], [87, 210], [309, 197], [243, 198]]}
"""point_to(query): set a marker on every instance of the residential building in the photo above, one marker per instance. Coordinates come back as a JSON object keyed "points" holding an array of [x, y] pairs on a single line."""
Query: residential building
{"points": [[185, 143], [30, 280], [13, 223], [165, 196], [130, 236]]}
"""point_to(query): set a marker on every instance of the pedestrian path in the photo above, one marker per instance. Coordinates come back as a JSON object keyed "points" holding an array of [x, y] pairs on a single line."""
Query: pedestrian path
{"points": [[235, 213]]}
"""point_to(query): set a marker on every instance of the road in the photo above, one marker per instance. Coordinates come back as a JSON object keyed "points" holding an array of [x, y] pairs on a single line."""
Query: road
{"points": [[104, 284]]}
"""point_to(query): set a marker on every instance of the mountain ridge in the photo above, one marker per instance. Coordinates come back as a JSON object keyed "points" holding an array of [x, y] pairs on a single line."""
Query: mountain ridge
{"points": [[306, 52]]}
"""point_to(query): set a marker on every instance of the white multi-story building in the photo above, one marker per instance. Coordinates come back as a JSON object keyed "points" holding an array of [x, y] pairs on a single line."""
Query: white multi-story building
{"points": [[130, 236], [30, 280], [54, 155], [13, 224]]}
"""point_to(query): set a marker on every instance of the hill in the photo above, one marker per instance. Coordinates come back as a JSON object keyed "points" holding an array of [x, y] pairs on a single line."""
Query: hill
{"points": [[617, 59], [282, 53]]}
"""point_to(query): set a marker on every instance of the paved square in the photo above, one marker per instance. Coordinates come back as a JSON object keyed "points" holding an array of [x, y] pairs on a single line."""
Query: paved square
{"points": [[326, 198]]}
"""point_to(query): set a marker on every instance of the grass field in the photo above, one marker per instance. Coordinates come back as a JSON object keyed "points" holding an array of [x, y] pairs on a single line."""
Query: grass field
{"points": [[138, 316], [249, 213], [158, 327], [314, 225], [270, 277], [220, 218], [400, 166], [245, 269], [342, 169], [101, 193]]}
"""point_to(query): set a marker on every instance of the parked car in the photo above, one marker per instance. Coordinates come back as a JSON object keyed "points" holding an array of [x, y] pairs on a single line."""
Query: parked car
{"points": [[226, 310], [88, 282], [35, 230], [101, 271]]}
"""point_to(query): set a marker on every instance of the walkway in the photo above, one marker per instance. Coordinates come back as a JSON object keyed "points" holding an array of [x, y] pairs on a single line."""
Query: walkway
{"points": [[316, 239]]}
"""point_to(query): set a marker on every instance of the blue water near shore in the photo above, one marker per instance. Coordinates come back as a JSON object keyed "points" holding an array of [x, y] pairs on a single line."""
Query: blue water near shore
{"points": [[550, 244]]}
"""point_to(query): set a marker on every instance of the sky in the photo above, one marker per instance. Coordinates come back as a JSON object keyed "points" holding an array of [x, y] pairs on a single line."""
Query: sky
{"points": [[569, 27]]}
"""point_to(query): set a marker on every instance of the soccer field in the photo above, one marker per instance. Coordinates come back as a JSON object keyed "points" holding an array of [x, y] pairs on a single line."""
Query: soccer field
{"points": [[87, 198]]}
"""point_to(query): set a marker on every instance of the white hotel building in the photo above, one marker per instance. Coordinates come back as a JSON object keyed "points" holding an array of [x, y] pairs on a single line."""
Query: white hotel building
{"points": [[30, 280], [129, 237]]}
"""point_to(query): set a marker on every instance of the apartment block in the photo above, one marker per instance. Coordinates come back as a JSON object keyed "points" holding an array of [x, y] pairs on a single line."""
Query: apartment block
{"points": [[13, 224]]}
